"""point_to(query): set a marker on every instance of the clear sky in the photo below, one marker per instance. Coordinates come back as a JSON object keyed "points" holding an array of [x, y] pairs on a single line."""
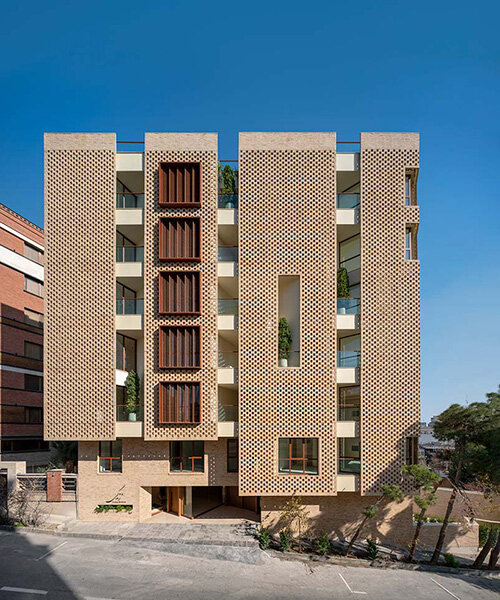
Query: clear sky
{"points": [[431, 67]]}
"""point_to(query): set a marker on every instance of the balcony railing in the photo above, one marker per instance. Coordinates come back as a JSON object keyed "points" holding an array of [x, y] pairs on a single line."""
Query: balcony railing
{"points": [[227, 306], [227, 254], [123, 414], [227, 360], [129, 254], [349, 464], [349, 359], [349, 412], [228, 412], [130, 306], [348, 201], [228, 200], [126, 200], [348, 306]]}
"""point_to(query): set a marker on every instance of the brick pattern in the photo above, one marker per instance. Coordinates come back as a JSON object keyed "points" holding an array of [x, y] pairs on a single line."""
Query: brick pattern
{"points": [[390, 294], [287, 227], [207, 375], [80, 293]]}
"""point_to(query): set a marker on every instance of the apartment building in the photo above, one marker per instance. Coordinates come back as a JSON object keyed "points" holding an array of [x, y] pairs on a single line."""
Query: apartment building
{"points": [[21, 341], [166, 261]]}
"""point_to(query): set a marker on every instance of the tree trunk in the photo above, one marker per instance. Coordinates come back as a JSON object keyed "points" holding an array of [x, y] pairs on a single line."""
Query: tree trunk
{"points": [[442, 532], [355, 536], [480, 558], [494, 554], [417, 534]]}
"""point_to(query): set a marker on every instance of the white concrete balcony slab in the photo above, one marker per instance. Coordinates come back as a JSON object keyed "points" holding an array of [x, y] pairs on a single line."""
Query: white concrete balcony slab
{"points": [[227, 322], [227, 216], [129, 269], [347, 482], [347, 216], [348, 322], [227, 375], [129, 216], [348, 375], [129, 429], [228, 429], [20, 263], [347, 161], [347, 429], [129, 322], [130, 161], [227, 269]]}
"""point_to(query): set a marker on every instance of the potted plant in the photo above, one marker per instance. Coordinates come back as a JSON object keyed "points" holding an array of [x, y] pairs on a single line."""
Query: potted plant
{"points": [[342, 287], [132, 391], [284, 341], [229, 186]]}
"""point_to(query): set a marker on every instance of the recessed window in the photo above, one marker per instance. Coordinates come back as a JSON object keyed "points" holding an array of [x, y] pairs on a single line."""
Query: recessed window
{"points": [[232, 456], [349, 455], [33, 383], [298, 456], [33, 286], [32, 414], [349, 404], [179, 293], [179, 402], [408, 244], [179, 347], [33, 350], [180, 184], [411, 450], [110, 457], [125, 353], [408, 190], [32, 317], [187, 457], [33, 253], [180, 238]]}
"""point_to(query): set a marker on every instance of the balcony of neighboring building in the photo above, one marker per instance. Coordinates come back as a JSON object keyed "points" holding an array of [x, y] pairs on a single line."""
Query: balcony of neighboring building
{"points": [[227, 200]]}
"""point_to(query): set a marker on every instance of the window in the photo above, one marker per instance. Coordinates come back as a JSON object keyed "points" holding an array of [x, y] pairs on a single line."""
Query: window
{"points": [[180, 184], [180, 238], [33, 253], [411, 450], [349, 455], [23, 445], [180, 347], [32, 317], [408, 194], [110, 457], [125, 353], [350, 258], [349, 404], [33, 350], [179, 402], [232, 456], [33, 286], [179, 293], [187, 457], [32, 414], [408, 244], [298, 456], [33, 383]]}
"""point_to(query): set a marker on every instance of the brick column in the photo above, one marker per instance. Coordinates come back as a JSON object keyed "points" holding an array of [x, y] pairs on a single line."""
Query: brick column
{"points": [[54, 485]]}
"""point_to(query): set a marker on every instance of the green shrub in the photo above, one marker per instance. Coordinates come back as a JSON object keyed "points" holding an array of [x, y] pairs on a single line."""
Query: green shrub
{"points": [[101, 508], [323, 544], [284, 338], [343, 283], [285, 540], [371, 549], [450, 560], [484, 531], [264, 538]]}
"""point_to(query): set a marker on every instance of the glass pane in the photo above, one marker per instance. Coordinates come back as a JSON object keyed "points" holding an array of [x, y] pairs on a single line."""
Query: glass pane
{"points": [[175, 449], [283, 466], [198, 449], [350, 344], [198, 465], [283, 448], [175, 464], [297, 466], [129, 354], [117, 465], [296, 448], [119, 352], [311, 448], [116, 449], [312, 467], [104, 465], [105, 449]]}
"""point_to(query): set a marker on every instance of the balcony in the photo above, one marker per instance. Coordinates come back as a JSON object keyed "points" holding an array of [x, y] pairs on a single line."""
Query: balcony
{"points": [[227, 363], [127, 200], [226, 201], [349, 359], [348, 306], [129, 209], [127, 425], [123, 414], [227, 306], [349, 464], [129, 314], [227, 254], [292, 359], [129, 254]]}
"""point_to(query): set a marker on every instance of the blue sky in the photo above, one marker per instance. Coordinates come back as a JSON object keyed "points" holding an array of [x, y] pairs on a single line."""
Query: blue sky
{"points": [[431, 67]]}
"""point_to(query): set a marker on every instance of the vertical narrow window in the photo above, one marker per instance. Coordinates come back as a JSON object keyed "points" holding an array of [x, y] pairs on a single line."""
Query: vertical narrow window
{"points": [[408, 244], [32, 414], [411, 450], [110, 457], [179, 293], [179, 402], [33, 253], [33, 383], [298, 456], [126, 353], [408, 191], [349, 455], [232, 455], [349, 403], [179, 347], [288, 321], [350, 258]]}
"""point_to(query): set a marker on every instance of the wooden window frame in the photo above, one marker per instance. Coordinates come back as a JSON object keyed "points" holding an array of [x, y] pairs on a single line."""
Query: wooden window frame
{"points": [[411, 450], [163, 418], [162, 279], [229, 442], [191, 458], [162, 220], [163, 187], [302, 458], [110, 458], [161, 349]]}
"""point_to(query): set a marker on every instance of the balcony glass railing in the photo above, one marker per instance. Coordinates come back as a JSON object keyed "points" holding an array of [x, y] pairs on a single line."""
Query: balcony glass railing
{"points": [[228, 412], [129, 254], [125, 200], [349, 464], [130, 306], [227, 360], [124, 414], [348, 201], [227, 253], [348, 359], [227, 306], [349, 412], [348, 306], [228, 200]]}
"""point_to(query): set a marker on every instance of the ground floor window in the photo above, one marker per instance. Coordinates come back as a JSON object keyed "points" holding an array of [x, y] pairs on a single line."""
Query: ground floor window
{"points": [[110, 457], [349, 455], [298, 456], [232, 456], [187, 456]]}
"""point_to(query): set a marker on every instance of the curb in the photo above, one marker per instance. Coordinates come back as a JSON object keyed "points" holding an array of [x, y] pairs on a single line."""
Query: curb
{"points": [[376, 564], [102, 536]]}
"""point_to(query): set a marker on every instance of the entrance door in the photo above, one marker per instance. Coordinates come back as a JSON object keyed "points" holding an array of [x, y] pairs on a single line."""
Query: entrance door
{"points": [[176, 498]]}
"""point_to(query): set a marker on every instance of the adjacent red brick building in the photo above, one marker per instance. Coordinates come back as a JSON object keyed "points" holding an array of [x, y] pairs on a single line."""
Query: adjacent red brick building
{"points": [[21, 340]]}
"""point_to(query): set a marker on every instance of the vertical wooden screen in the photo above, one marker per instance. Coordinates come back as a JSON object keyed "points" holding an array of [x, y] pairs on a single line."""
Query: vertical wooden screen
{"points": [[180, 238], [180, 184], [180, 347], [179, 402], [179, 292]]}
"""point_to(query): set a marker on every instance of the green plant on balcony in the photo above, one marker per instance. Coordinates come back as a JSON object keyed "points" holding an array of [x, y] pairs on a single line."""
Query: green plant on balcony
{"points": [[132, 395], [229, 183], [284, 341], [343, 286]]}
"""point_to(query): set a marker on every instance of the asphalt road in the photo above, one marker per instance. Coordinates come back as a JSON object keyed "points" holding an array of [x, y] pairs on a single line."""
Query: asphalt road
{"points": [[37, 566]]}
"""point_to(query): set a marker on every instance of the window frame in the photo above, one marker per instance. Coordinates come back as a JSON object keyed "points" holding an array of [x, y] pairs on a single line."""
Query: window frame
{"points": [[192, 457], [408, 243], [39, 253], [111, 458], [232, 442], [408, 190], [40, 381], [39, 292], [411, 450], [304, 459], [30, 409], [27, 343]]}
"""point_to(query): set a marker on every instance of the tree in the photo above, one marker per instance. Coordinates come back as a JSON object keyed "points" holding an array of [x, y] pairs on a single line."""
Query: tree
{"points": [[228, 179], [423, 481], [294, 515], [392, 493], [491, 540], [462, 425], [284, 338], [343, 283], [132, 392], [494, 554], [65, 452]]}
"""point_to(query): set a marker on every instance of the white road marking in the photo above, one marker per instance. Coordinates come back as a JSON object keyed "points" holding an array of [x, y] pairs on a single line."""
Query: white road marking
{"points": [[22, 590], [50, 551], [94, 598], [442, 586], [349, 587]]}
